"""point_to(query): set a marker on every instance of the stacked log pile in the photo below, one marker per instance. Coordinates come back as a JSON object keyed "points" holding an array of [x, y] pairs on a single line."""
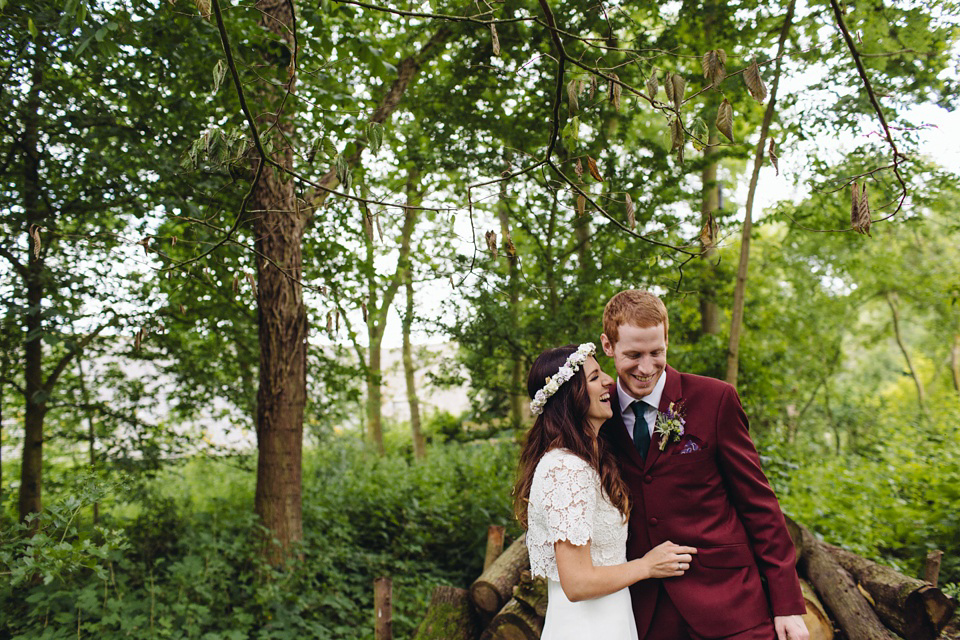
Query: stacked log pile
{"points": [[847, 597]]}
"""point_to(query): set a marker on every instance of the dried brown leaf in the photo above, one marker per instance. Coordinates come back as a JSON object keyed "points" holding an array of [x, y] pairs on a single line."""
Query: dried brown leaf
{"points": [[203, 6], [854, 205], [631, 213], [363, 309], [35, 236], [653, 85], [572, 103], [751, 78], [329, 321], [863, 218], [714, 66], [773, 156], [376, 219], [491, 237], [725, 119], [182, 309], [253, 283], [592, 166], [336, 321], [679, 85], [615, 90], [708, 233], [578, 169], [236, 284], [668, 85], [508, 245], [138, 339], [677, 135], [593, 86], [581, 204], [173, 241], [496, 40]]}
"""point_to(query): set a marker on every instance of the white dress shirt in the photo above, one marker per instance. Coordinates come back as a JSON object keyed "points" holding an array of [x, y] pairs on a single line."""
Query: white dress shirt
{"points": [[652, 402]]}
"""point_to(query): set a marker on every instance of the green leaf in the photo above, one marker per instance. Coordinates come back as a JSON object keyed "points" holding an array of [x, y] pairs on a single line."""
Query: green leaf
{"points": [[698, 130], [32, 28]]}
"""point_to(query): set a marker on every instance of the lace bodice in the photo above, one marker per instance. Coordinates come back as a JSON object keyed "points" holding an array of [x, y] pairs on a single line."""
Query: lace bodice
{"points": [[567, 502]]}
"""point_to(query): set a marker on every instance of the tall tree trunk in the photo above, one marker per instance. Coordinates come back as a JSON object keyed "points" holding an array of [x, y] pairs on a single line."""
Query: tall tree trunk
{"points": [[91, 432], [31, 470], [740, 291], [516, 392], [378, 308], [895, 313], [406, 277], [709, 204], [416, 431], [278, 226]]}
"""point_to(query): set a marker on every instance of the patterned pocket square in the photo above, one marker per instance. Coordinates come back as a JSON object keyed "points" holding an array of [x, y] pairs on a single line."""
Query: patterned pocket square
{"points": [[689, 444]]}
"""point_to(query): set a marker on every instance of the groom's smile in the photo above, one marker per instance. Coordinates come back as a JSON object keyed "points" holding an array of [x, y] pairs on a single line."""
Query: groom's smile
{"points": [[639, 355]]}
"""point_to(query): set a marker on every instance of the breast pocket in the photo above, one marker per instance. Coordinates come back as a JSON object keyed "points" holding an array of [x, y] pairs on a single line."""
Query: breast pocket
{"points": [[688, 458]]}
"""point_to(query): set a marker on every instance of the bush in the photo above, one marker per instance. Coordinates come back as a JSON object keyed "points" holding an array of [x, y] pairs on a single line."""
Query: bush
{"points": [[192, 567]]}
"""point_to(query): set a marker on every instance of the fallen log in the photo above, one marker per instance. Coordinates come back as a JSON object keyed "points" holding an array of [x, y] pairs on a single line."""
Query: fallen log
{"points": [[952, 630], [516, 621], [912, 608], [491, 591], [449, 616], [532, 592], [818, 622], [839, 592]]}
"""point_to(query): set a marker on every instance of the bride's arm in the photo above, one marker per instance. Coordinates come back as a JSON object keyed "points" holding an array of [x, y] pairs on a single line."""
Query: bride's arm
{"points": [[580, 580]]}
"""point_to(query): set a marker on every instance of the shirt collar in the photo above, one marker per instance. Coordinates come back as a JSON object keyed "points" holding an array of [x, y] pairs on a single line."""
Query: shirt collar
{"points": [[652, 399]]}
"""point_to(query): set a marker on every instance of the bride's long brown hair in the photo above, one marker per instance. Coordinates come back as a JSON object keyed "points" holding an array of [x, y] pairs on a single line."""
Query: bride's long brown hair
{"points": [[563, 424]]}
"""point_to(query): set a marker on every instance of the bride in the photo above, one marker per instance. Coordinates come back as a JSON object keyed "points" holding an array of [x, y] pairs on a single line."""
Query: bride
{"points": [[571, 499]]}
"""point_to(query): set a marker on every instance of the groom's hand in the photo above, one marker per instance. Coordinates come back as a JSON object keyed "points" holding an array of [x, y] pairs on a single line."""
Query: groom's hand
{"points": [[791, 628]]}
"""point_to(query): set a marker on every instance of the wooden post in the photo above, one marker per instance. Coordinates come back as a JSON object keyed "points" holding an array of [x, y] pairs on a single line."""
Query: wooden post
{"points": [[383, 608], [494, 545], [931, 568]]}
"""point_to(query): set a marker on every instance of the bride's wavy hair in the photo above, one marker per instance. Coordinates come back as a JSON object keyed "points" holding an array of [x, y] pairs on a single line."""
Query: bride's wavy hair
{"points": [[563, 424]]}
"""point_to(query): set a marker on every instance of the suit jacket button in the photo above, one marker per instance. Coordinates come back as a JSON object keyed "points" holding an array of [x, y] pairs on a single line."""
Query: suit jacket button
{"points": [[653, 522], [648, 479]]}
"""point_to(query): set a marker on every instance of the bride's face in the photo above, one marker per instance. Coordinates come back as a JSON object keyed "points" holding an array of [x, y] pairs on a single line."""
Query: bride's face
{"points": [[598, 390]]}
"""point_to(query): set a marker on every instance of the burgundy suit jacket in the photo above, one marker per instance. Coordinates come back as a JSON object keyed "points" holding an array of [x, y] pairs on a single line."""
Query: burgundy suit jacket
{"points": [[715, 498]]}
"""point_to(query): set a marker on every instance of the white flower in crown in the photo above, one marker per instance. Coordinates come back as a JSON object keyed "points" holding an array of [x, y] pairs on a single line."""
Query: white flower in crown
{"points": [[567, 371]]}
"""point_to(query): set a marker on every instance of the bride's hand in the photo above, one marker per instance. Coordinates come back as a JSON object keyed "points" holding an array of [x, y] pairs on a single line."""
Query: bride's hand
{"points": [[668, 560]]}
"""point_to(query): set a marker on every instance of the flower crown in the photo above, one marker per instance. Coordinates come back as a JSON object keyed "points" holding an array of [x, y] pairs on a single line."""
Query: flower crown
{"points": [[570, 367]]}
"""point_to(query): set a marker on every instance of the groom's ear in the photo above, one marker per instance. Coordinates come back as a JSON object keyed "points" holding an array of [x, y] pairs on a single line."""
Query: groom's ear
{"points": [[606, 344]]}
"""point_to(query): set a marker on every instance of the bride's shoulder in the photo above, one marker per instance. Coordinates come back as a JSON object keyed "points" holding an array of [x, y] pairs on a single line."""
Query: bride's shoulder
{"points": [[556, 459]]}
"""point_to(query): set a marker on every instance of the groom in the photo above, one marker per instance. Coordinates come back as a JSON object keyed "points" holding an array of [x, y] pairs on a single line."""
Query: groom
{"points": [[697, 484]]}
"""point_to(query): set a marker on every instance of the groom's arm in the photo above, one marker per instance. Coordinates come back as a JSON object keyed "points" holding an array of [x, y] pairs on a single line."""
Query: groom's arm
{"points": [[757, 506]]}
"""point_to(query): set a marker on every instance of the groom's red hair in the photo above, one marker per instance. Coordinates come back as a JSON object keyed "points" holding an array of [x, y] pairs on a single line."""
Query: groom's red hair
{"points": [[637, 308]]}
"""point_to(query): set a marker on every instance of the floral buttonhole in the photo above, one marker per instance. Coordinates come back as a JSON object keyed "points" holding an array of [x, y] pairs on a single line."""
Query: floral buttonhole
{"points": [[670, 423]]}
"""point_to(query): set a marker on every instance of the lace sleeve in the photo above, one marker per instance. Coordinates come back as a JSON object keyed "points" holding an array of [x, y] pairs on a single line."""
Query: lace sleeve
{"points": [[569, 499]]}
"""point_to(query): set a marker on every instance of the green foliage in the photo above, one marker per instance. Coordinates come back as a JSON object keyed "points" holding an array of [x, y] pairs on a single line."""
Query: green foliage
{"points": [[187, 564]]}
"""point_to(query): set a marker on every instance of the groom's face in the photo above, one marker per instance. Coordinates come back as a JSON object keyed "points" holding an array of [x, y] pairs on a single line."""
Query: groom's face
{"points": [[640, 356]]}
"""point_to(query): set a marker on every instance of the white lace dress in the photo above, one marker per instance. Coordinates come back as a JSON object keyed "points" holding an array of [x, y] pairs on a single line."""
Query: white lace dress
{"points": [[567, 502]]}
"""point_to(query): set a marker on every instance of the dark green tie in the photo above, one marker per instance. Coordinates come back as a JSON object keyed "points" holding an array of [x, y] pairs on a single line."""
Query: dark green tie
{"points": [[641, 431]]}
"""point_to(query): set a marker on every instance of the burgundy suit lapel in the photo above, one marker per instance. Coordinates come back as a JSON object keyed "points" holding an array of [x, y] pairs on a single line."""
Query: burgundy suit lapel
{"points": [[671, 393]]}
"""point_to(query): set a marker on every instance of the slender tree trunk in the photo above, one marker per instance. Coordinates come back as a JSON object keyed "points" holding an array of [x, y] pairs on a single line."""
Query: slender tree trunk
{"points": [[740, 291], [91, 432], [406, 276], [955, 362], [709, 204], [895, 313], [278, 225], [31, 471], [416, 432], [516, 392]]}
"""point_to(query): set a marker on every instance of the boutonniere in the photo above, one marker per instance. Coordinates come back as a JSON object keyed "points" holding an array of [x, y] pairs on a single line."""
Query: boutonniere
{"points": [[670, 423]]}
